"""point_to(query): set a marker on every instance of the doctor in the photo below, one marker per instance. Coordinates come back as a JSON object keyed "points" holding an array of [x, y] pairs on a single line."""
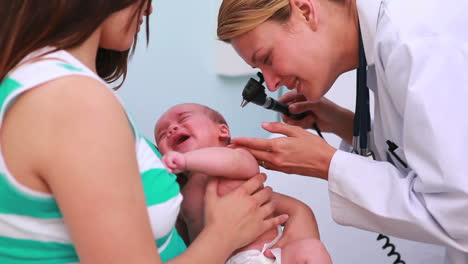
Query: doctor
{"points": [[416, 56]]}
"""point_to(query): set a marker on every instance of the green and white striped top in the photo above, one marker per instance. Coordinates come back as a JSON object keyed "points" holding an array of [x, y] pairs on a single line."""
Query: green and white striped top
{"points": [[32, 229]]}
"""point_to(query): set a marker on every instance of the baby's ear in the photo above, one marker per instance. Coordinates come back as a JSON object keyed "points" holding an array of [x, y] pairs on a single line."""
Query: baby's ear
{"points": [[224, 132]]}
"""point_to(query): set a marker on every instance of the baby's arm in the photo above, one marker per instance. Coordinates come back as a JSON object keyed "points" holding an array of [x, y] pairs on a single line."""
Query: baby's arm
{"points": [[213, 161], [216, 161]]}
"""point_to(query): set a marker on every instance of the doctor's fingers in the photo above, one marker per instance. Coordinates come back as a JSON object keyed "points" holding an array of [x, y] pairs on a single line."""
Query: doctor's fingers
{"points": [[306, 106], [281, 128], [252, 143], [263, 157], [305, 122], [272, 165], [292, 97]]}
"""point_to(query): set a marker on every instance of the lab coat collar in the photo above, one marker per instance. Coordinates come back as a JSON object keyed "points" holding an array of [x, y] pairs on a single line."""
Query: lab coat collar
{"points": [[368, 13]]}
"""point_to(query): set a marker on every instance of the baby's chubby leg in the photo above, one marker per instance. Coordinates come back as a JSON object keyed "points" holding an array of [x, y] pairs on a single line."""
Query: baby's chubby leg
{"points": [[305, 251]]}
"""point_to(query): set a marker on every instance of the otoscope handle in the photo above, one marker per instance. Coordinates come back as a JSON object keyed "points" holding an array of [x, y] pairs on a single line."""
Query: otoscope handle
{"points": [[284, 109], [297, 116], [254, 92]]}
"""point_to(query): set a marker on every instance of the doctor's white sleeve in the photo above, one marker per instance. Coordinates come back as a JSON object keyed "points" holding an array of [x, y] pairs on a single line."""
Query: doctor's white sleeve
{"points": [[429, 202]]}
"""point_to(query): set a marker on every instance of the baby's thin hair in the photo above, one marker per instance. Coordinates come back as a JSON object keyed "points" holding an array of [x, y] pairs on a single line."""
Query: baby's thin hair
{"points": [[217, 117]]}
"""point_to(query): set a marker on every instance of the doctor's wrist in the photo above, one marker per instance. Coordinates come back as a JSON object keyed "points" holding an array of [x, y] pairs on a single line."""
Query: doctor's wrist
{"points": [[325, 161], [344, 127]]}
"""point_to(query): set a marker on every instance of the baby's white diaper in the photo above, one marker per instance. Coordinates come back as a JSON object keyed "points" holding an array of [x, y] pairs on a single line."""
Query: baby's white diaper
{"points": [[255, 256]]}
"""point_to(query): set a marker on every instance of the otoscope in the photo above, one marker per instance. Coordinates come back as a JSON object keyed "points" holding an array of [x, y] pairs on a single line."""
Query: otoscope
{"points": [[254, 92]]}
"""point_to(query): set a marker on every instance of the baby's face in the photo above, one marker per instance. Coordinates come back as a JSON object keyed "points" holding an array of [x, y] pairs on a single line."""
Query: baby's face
{"points": [[184, 128]]}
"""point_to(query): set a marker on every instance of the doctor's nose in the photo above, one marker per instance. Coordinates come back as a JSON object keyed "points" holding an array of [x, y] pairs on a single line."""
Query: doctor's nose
{"points": [[272, 80]]}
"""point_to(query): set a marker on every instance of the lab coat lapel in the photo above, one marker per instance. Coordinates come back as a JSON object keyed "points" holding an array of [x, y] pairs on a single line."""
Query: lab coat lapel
{"points": [[368, 12]]}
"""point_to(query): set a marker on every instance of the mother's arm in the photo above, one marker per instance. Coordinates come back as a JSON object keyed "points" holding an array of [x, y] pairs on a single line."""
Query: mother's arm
{"points": [[84, 151]]}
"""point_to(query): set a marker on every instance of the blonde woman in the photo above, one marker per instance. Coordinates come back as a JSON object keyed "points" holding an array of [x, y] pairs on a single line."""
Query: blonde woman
{"points": [[414, 55]]}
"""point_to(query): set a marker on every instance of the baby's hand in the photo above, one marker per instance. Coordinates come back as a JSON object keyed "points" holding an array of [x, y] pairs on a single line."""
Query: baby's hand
{"points": [[174, 162]]}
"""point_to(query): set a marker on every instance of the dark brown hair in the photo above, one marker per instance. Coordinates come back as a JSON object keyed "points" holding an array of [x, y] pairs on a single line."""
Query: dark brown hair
{"points": [[29, 25]]}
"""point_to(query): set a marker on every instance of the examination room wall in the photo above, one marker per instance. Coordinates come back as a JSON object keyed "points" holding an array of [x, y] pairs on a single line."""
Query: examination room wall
{"points": [[179, 66]]}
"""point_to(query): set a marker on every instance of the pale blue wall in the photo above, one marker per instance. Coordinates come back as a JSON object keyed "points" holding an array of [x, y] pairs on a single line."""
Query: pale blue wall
{"points": [[179, 66]]}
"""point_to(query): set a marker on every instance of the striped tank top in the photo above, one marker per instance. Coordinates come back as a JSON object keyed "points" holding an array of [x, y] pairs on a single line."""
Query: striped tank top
{"points": [[32, 229]]}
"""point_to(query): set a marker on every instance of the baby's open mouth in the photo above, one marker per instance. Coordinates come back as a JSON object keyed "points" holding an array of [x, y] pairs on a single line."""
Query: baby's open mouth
{"points": [[181, 139]]}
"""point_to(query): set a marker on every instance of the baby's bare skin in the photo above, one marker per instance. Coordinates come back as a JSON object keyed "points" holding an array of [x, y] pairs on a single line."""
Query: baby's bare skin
{"points": [[227, 185]]}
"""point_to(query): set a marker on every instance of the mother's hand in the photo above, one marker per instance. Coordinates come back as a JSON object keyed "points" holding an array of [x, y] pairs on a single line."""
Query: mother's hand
{"points": [[300, 152], [241, 215]]}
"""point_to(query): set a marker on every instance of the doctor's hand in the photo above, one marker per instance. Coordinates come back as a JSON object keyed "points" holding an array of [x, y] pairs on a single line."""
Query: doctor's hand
{"points": [[300, 152], [329, 116]]}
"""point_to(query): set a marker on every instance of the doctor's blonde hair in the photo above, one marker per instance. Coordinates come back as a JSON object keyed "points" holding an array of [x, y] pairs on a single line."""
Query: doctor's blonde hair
{"points": [[237, 17]]}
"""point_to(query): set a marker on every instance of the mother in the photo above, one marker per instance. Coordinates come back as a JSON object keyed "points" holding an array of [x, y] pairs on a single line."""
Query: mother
{"points": [[78, 181], [417, 69]]}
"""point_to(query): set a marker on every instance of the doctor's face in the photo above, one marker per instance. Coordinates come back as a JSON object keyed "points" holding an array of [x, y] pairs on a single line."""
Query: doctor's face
{"points": [[290, 54]]}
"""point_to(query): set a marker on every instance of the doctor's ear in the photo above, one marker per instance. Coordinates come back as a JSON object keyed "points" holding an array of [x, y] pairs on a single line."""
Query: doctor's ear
{"points": [[305, 10]]}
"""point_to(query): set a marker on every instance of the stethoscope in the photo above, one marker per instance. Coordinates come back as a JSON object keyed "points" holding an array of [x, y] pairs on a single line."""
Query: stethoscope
{"points": [[254, 92], [362, 121]]}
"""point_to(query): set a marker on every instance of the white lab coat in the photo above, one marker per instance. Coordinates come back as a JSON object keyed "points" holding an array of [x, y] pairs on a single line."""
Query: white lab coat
{"points": [[417, 54]]}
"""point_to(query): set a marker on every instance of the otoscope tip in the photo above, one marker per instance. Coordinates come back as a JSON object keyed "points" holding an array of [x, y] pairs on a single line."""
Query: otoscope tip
{"points": [[244, 103]]}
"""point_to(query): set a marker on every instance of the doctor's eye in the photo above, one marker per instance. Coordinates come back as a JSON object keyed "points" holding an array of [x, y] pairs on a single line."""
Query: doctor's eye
{"points": [[267, 57], [267, 60]]}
